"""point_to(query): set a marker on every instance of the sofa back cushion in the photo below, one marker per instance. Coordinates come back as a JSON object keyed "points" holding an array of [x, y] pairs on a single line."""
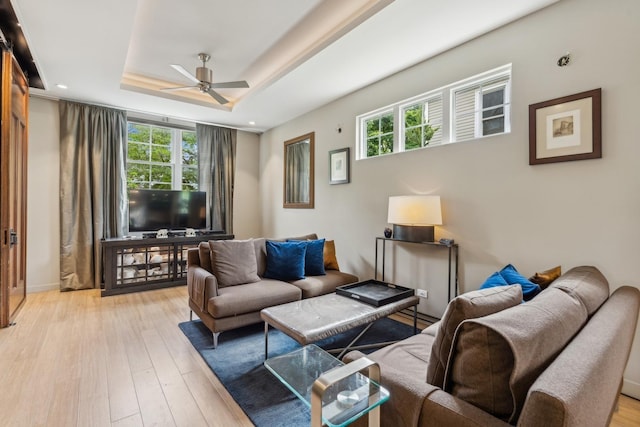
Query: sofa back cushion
{"points": [[466, 306], [233, 262], [496, 358], [204, 252], [585, 283]]}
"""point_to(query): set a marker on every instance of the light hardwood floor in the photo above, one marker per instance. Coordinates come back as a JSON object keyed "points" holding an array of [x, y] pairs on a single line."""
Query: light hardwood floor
{"points": [[76, 359]]}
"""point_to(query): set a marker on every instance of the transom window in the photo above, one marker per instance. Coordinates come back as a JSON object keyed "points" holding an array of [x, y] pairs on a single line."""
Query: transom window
{"points": [[469, 109], [422, 123], [161, 157], [481, 109], [379, 132]]}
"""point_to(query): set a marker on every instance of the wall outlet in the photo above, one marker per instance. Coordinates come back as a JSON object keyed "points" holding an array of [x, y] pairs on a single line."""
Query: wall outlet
{"points": [[422, 293]]}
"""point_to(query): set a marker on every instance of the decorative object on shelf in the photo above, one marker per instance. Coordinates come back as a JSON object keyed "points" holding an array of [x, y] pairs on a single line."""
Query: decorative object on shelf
{"points": [[388, 233], [339, 166], [413, 217], [190, 232], [567, 128], [162, 234]]}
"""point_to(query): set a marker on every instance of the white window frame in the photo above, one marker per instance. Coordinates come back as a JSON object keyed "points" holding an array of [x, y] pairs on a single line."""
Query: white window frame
{"points": [[361, 131], [424, 98], [484, 82], [176, 151], [447, 127]]}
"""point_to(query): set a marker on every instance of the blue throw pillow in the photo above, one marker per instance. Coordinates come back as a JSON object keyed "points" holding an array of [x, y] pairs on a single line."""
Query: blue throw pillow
{"points": [[285, 260], [494, 280], [511, 275], [314, 257]]}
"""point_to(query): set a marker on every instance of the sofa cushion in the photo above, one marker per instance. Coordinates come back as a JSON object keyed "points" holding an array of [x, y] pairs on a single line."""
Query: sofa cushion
{"points": [[285, 260], [233, 262], [330, 259], [204, 252], [495, 358], [466, 306], [259, 245], [252, 297], [314, 257], [545, 278], [314, 286], [587, 284]]}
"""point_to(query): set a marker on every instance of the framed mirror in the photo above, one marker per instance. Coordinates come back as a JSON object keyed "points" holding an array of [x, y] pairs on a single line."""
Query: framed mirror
{"points": [[298, 172]]}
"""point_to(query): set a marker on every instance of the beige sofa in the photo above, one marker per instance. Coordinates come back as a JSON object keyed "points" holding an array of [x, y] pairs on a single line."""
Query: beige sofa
{"points": [[556, 360], [224, 307]]}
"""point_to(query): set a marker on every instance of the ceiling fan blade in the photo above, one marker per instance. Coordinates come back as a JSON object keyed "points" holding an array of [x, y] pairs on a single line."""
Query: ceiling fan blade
{"points": [[223, 85], [169, 89], [181, 70], [215, 95]]}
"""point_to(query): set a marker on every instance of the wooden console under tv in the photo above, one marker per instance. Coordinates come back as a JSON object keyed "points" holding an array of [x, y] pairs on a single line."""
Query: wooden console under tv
{"points": [[136, 264]]}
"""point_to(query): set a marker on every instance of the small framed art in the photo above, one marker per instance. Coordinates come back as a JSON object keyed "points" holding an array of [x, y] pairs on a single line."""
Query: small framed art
{"points": [[339, 166], [567, 128]]}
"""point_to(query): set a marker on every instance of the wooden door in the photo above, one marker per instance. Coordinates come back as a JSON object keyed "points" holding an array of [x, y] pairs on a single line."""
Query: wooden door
{"points": [[14, 96]]}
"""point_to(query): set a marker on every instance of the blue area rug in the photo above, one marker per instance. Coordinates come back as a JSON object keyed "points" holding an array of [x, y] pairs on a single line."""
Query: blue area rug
{"points": [[237, 362]]}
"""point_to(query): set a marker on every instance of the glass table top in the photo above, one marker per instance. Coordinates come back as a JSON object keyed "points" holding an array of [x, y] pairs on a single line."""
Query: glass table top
{"points": [[344, 401]]}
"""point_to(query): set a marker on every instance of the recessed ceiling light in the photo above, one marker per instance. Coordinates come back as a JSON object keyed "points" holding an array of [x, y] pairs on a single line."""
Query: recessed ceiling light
{"points": [[61, 86], [252, 123]]}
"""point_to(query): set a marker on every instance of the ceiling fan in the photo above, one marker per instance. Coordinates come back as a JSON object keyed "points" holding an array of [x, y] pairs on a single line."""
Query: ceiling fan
{"points": [[204, 80]]}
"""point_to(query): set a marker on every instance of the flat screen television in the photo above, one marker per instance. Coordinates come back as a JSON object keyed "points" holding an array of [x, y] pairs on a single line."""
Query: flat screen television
{"points": [[152, 210]]}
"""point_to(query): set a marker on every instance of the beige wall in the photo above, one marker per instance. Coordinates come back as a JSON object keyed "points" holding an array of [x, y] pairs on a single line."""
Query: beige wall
{"points": [[499, 209], [43, 196], [43, 216]]}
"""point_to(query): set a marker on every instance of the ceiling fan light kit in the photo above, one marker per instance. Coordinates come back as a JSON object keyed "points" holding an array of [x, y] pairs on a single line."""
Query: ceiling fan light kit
{"points": [[204, 80]]}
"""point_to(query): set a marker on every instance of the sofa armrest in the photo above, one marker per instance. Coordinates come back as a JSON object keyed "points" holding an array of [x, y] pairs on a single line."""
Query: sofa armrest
{"points": [[193, 257], [201, 286], [443, 409]]}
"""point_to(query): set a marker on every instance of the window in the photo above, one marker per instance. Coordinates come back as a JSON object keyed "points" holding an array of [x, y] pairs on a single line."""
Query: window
{"points": [[469, 109], [422, 123], [481, 109], [379, 134], [161, 157]]}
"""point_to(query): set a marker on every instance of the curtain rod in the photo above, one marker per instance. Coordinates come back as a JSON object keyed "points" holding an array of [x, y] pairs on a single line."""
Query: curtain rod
{"points": [[128, 110]]}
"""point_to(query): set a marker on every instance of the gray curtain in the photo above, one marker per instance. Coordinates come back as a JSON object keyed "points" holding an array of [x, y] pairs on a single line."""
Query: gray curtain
{"points": [[92, 189], [216, 173]]}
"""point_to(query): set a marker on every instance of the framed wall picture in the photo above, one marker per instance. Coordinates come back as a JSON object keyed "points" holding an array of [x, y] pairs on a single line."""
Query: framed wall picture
{"points": [[567, 128], [339, 166]]}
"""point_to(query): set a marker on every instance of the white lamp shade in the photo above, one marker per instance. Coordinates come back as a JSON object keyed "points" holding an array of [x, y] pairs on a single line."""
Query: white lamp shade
{"points": [[415, 210]]}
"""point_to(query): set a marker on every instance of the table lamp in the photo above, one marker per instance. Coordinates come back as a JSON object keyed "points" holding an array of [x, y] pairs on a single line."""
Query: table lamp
{"points": [[413, 217]]}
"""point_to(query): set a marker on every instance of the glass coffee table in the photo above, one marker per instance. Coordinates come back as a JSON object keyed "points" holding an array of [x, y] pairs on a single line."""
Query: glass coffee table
{"points": [[337, 394]]}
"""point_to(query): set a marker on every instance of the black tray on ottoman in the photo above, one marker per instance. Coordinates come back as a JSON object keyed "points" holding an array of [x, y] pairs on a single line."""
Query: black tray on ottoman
{"points": [[375, 292]]}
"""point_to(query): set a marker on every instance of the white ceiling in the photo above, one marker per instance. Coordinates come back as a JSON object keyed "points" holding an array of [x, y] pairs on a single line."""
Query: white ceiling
{"points": [[297, 55]]}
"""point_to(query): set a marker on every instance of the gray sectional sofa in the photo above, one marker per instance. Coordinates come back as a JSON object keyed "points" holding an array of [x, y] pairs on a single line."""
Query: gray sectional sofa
{"points": [[224, 302], [492, 360]]}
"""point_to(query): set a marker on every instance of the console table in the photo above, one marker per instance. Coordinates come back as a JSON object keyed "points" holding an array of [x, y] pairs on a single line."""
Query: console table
{"points": [[452, 248], [137, 264]]}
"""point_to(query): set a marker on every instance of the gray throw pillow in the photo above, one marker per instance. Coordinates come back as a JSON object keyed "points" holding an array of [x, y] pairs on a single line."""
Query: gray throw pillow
{"points": [[233, 262], [466, 306]]}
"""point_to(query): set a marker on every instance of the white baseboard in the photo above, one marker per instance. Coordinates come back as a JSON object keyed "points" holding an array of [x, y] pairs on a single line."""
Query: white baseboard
{"points": [[631, 388], [31, 289]]}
